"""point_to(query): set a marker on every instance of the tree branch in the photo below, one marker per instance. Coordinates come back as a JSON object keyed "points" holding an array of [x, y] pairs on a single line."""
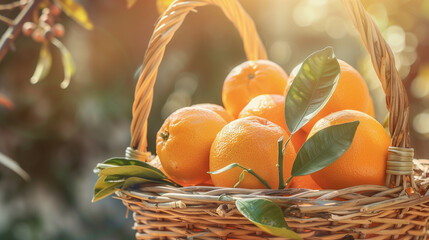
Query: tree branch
{"points": [[13, 31], [10, 6]]}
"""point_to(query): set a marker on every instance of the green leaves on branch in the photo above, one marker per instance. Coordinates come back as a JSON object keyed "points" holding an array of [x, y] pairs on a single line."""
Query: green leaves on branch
{"points": [[241, 177], [125, 173], [12, 165], [320, 150], [266, 215], [79, 14], [323, 148], [314, 84], [312, 87], [76, 12]]}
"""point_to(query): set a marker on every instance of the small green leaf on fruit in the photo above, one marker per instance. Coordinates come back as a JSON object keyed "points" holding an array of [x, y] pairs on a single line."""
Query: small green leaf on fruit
{"points": [[230, 166], [324, 148], [233, 165], [240, 179], [266, 215]]}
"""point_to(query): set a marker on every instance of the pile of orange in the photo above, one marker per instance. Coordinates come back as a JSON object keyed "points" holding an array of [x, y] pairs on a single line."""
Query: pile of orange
{"points": [[204, 138]]}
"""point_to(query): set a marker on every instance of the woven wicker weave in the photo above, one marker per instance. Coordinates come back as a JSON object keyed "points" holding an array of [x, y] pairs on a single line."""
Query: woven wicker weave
{"points": [[398, 211]]}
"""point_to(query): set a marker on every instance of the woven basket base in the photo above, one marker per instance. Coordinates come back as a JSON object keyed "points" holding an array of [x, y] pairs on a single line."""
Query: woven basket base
{"points": [[367, 211]]}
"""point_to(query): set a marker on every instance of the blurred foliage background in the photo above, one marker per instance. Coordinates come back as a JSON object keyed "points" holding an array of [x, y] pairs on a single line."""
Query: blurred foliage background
{"points": [[59, 135]]}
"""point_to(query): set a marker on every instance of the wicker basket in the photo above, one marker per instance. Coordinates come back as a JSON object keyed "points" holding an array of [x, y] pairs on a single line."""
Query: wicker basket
{"points": [[398, 211]]}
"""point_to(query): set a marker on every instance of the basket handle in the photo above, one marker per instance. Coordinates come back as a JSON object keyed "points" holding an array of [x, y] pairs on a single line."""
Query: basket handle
{"points": [[384, 65], [165, 28], [400, 156]]}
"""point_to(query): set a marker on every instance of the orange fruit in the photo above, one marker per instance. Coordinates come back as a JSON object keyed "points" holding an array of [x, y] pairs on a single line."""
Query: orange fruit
{"points": [[268, 106], [252, 143], [351, 93], [364, 162], [217, 109], [183, 144], [250, 79], [298, 139], [272, 108], [306, 182]]}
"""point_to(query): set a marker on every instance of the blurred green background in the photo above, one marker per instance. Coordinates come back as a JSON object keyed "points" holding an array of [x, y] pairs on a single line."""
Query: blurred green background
{"points": [[58, 135]]}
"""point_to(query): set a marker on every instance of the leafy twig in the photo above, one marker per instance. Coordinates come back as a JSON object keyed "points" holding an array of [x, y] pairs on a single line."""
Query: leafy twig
{"points": [[12, 32]]}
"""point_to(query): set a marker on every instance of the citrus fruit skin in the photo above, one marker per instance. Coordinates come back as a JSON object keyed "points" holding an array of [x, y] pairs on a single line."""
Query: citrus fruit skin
{"points": [[217, 109], [364, 162], [268, 106], [351, 93], [272, 108], [306, 182], [298, 139], [252, 143], [250, 79], [183, 144]]}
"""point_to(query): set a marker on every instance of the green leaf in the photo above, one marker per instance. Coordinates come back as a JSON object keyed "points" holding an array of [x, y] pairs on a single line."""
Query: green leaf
{"points": [[133, 171], [130, 3], [323, 148], [114, 179], [12, 165], [132, 181], [233, 165], [128, 162], [266, 215], [68, 63], [77, 12], [103, 189], [240, 179], [43, 65], [230, 166], [311, 89]]}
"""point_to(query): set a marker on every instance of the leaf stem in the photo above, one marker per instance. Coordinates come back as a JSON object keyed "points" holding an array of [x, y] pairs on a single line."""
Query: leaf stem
{"points": [[281, 152], [233, 165], [287, 141], [258, 177], [280, 162], [288, 180]]}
